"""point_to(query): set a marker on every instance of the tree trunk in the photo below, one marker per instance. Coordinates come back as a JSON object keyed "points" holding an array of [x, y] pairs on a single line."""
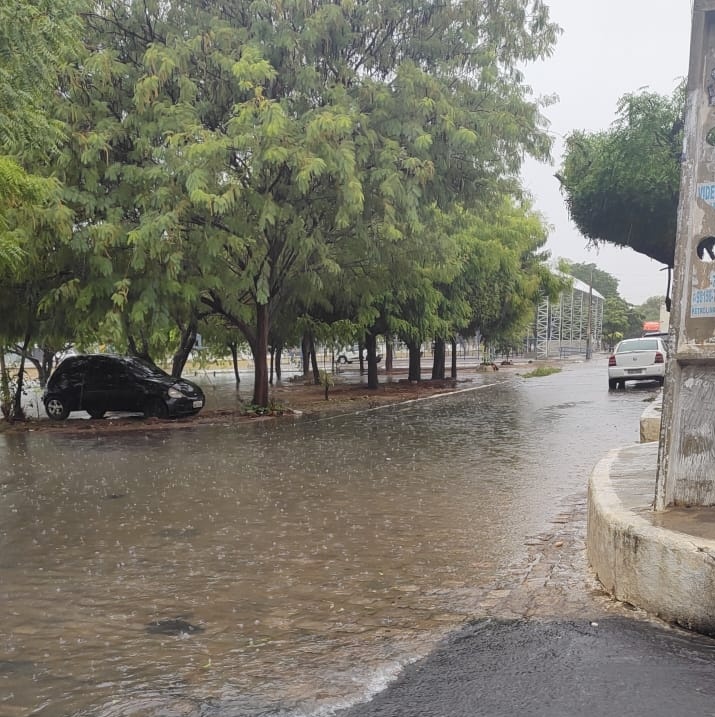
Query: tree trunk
{"points": [[18, 413], [46, 366], [314, 362], [305, 354], [188, 340], [234, 357], [371, 350], [270, 371], [454, 357], [279, 353], [260, 357], [414, 372], [438, 359], [389, 351], [37, 364], [134, 350], [5, 397]]}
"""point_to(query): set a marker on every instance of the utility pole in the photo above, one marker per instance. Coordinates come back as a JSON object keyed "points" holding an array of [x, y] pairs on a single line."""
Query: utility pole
{"points": [[590, 315], [686, 456]]}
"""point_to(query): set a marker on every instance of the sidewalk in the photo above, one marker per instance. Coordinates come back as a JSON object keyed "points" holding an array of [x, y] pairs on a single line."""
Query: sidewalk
{"points": [[663, 562]]}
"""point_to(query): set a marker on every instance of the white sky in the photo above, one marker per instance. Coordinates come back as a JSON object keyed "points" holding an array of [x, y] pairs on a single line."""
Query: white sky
{"points": [[608, 48]]}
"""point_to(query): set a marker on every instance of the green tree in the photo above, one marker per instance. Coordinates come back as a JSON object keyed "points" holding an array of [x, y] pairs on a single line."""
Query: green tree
{"points": [[615, 320], [26, 289], [622, 184], [509, 293], [16, 188], [650, 308], [196, 178], [221, 151], [635, 321], [501, 274], [604, 283], [38, 39], [620, 320]]}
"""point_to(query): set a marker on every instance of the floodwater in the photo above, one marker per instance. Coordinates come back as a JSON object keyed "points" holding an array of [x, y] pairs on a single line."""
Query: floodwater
{"points": [[287, 567]]}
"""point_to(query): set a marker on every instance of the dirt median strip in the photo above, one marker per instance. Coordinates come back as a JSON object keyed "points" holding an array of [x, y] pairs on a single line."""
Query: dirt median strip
{"points": [[288, 399]]}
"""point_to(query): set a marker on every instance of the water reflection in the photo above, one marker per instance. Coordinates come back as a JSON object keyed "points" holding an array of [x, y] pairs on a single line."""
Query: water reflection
{"points": [[298, 563]]}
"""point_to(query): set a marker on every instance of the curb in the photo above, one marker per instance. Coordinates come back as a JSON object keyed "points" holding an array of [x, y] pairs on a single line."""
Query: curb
{"points": [[650, 420], [665, 572]]}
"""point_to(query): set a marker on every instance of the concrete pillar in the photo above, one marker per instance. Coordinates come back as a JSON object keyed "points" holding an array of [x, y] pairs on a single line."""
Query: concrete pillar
{"points": [[686, 460]]}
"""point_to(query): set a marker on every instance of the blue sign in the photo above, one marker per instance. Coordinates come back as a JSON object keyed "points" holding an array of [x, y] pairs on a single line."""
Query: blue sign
{"points": [[702, 303], [706, 192]]}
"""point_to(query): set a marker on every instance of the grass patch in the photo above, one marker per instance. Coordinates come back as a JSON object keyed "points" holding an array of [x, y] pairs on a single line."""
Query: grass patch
{"points": [[272, 409], [542, 371]]}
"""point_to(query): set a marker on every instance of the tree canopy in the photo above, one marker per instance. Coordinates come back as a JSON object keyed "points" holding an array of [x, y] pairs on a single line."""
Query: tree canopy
{"points": [[651, 308], [604, 283], [252, 167], [622, 184], [37, 39]]}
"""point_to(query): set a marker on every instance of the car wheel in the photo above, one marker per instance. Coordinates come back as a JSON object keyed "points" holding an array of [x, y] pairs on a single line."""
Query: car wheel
{"points": [[156, 408], [622, 384], [96, 412], [342, 359], [612, 384], [660, 381], [56, 409]]}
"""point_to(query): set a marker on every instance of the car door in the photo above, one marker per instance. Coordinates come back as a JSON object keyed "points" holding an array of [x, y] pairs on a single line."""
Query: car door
{"points": [[68, 383], [121, 389], [128, 386], [97, 393]]}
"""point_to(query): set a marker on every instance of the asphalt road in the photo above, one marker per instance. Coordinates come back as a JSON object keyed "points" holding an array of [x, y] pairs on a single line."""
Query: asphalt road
{"points": [[614, 667], [401, 519]]}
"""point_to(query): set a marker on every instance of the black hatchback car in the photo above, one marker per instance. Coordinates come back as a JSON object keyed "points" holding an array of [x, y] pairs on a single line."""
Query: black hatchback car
{"points": [[98, 383]]}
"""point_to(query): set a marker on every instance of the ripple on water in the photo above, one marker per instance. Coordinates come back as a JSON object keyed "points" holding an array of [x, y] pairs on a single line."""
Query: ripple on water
{"points": [[314, 558]]}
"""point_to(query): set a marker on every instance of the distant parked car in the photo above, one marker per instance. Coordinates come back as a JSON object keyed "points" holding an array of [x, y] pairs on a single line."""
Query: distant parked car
{"points": [[348, 355], [662, 335], [353, 355], [98, 383], [637, 360]]}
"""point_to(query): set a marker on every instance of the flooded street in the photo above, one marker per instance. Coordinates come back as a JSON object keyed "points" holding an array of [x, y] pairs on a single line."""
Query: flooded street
{"points": [[286, 567]]}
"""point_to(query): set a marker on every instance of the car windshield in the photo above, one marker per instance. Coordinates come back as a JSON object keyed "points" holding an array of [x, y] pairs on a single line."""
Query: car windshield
{"points": [[638, 345], [145, 368]]}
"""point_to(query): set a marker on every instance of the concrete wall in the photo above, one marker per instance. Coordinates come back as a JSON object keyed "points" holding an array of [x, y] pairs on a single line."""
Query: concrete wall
{"points": [[686, 471]]}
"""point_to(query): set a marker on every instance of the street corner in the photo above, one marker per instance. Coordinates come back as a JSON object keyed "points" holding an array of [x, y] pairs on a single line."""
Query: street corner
{"points": [[644, 558]]}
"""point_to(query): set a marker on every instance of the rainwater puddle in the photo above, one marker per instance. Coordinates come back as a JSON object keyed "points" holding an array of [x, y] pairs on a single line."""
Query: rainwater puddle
{"points": [[279, 568]]}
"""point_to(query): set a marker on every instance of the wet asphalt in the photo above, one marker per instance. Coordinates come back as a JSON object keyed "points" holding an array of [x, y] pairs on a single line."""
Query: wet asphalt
{"points": [[614, 667], [546, 640]]}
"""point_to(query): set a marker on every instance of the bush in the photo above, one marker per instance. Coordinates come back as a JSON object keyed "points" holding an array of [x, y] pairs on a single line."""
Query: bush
{"points": [[542, 371]]}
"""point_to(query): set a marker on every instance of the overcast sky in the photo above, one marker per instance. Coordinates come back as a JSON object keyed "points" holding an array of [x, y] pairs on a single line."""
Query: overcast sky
{"points": [[607, 48]]}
